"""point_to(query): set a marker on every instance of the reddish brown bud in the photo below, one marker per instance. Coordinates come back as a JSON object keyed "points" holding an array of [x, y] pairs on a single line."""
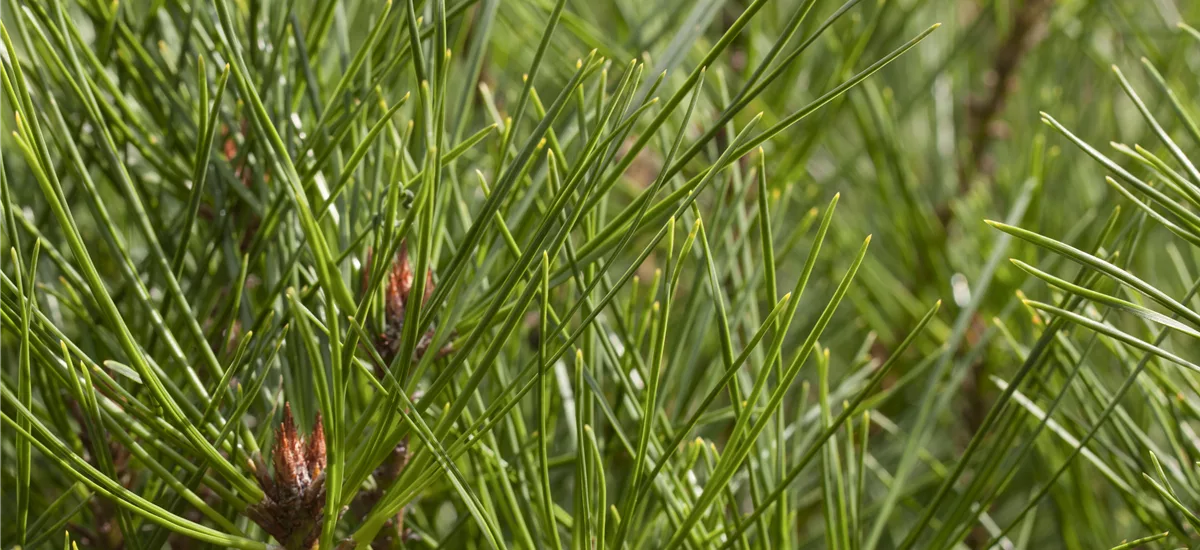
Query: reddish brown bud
{"points": [[294, 499], [314, 455], [396, 300], [399, 285]]}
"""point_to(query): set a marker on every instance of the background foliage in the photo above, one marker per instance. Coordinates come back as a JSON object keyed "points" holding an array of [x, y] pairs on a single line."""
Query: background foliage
{"points": [[652, 318]]}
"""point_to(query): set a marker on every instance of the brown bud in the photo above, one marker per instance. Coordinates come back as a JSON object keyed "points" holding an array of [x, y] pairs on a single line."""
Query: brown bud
{"points": [[314, 454], [396, 300], [294, 499]]}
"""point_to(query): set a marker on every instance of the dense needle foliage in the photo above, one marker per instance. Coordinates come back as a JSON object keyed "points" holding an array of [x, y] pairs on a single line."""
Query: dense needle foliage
{"points": [[621, 274]]}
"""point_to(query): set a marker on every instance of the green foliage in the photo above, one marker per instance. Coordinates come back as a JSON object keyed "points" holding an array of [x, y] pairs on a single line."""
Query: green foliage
{"points": [[711, 274]]}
